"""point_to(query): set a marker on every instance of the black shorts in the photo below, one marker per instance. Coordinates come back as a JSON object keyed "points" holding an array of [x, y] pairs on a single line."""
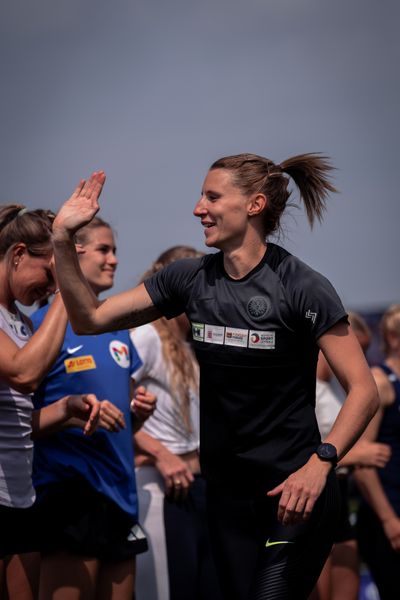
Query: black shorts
{"points": [[77, 519], [18, 530], [344, 531]]}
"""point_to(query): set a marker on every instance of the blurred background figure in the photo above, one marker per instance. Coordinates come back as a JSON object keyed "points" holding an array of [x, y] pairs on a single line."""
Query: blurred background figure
{"points": [[378, 524], [171, 490], [340, 579], [86, 487]]}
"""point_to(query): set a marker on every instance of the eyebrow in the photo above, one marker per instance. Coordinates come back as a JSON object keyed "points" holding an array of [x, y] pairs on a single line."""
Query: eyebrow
{"points": [[211, 192], [99, 246]]}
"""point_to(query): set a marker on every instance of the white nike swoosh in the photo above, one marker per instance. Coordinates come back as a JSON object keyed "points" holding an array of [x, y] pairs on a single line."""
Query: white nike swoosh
{"points": [[73, 350]]}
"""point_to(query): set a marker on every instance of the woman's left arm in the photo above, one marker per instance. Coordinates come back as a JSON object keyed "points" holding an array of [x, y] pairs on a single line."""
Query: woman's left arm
{"points": [[346, 359], [300, 491]]}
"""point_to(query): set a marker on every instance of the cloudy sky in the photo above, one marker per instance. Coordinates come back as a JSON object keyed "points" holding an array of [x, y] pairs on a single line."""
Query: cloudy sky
{"points": [[153, 91]]}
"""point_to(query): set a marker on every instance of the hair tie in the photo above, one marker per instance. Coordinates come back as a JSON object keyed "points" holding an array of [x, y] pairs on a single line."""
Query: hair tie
{"points": [[275, 171], [22, 212]]}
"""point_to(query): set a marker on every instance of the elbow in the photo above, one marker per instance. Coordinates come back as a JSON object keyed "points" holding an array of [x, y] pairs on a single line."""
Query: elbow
{"points": [[85, 328], [25, 384], [374, 402]]}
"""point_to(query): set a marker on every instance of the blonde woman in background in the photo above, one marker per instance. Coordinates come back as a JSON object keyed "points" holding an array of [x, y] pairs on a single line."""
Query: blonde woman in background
{"points": [[171, 491]]}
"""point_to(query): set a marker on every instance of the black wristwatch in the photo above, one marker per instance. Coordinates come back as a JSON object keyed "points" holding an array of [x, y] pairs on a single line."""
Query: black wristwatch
{"points": [[327, 453]]}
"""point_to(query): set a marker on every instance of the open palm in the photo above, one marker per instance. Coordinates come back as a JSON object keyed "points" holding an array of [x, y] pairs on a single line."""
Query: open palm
{"points": [[81, 207]]}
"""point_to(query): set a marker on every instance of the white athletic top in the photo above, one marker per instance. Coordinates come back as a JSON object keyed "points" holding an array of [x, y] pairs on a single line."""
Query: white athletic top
{"points": [[165, 424], [327, 406], [16, 446]]}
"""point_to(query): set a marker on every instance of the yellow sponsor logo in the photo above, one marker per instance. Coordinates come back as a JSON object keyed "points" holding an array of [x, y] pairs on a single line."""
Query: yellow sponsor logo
{"points": [[81, 363]]}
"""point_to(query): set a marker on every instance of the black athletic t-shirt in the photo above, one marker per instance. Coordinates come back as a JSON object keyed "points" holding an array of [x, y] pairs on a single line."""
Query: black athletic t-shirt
{"points": [[255, 340]]}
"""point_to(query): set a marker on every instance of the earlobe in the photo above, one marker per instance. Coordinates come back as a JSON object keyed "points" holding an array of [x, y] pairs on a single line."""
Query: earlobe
{"points": [[18, 253]]}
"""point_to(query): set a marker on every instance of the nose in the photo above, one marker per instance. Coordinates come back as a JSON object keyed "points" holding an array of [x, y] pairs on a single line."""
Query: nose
{"points": [[112, 259], [200, 209]]}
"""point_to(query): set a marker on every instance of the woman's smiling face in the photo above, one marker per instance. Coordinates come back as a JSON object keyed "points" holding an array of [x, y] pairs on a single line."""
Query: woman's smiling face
{"points": [[223, 210]]}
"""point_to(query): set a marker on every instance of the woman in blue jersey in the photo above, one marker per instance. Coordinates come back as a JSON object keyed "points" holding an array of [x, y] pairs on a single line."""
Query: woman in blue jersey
{"points": [[378, 523], [85, 488], [26, 275], [259, 317]]}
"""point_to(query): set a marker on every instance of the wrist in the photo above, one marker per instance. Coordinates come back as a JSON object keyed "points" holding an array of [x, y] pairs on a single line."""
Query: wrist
{"points": [[386, 518], [62, 236], [327, 454], [160, 452], [64, 409]]}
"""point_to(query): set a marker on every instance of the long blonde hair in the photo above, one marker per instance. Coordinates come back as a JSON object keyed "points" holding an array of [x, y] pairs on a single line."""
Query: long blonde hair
{"points": [[390, 324], [179, 357]]}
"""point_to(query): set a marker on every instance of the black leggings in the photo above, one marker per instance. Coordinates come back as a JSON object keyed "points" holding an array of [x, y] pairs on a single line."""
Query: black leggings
{"points": [[375, 549], [249, 564], [191, 569]]}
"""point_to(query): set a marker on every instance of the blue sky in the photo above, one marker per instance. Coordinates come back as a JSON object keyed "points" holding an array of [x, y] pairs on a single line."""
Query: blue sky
{"points": [[153, 92]]}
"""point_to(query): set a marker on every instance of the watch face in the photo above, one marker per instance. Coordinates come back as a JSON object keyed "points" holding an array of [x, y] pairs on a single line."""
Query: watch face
{"points": [[327, 452]]}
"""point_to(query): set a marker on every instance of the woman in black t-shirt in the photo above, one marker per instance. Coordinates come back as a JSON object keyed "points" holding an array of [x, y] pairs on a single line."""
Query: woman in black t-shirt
{"points": [[259, 317]]}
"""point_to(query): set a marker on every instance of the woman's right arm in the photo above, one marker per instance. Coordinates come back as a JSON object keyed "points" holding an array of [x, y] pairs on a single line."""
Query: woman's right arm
{"points": [[24, 368], [87, 314]]}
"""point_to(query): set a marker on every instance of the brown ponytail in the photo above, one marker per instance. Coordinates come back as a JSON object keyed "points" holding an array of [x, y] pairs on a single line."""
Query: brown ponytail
{"points": [[255, 174]]}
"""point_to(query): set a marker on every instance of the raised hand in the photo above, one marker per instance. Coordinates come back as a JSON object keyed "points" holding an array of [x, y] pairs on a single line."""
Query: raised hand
{"points": [[80, 208]]}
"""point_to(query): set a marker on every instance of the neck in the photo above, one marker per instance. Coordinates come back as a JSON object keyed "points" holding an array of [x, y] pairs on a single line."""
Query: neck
{"points": [[239, 262], [6, 298]]}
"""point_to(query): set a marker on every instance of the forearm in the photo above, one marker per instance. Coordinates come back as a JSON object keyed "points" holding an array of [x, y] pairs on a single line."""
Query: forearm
{"points": [[80, 300], [87, 314], [50, 419], [357, 411], [146, 444], [372, 491]]}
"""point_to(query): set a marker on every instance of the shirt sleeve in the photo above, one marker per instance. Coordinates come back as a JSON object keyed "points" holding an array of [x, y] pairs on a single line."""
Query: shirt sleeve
{"points": [[170, 288], [315, 302], [146, 342], [136, 362]]}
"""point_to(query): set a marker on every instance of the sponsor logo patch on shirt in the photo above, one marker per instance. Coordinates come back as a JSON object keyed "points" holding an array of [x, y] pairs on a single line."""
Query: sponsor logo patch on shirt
{"points": [[236, 337], [214, 334], [81, 363], [233, 336], [198, 332], [120, 353], [258, 307], [264, 340]]}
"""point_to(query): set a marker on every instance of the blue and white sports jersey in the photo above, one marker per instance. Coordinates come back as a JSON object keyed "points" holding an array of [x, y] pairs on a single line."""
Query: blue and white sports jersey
{"points": [[101, 365]]}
